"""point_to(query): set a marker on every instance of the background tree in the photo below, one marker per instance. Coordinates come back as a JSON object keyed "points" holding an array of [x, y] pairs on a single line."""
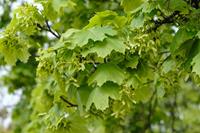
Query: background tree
{"points": [[104, 66]]}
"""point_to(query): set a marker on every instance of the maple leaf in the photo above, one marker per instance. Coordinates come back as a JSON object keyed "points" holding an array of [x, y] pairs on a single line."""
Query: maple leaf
{"points": [[96, 33], [100, 95], [106, 47], [107, 72]]}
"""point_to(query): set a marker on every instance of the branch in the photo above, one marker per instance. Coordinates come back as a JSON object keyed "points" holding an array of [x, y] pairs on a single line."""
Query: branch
{"points": [[70, 104], [151, 110], [57, 35], [166, 20], [172, 112], [48, 28]]}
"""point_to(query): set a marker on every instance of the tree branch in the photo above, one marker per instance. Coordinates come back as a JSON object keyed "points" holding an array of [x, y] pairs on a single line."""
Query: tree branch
{"points": [[49, 29], [70, 104], [166, 20], [151, 110], [57, 35], [172, 112]]}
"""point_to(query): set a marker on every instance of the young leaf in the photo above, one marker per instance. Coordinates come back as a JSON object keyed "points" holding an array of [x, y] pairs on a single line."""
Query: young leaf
{"points": [[14, 49], [96, 33], [100, 95], [107, 72], [107, 18], [106, 47]]}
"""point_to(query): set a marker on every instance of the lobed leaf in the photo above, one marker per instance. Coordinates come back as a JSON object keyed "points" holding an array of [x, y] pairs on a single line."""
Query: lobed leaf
{"points": [[100, 95], [105, 48], [96, 33], [107, 72]]}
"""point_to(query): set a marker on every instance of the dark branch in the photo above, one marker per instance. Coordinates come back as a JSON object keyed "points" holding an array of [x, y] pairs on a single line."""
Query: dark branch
{"points": [[173, 113], [70, 104], [57, 35], [152, 105], [167, 20], [48, 28]]}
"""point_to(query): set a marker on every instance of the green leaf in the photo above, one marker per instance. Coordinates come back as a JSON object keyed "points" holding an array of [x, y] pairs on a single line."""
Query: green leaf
{"points": [[198, 35], [107, 18], [42, 100], [132, 62], [83, 94], [168, 66], [59, 4], [133, 81], [196, 64], [57, 118], [160, 90], [131, 5], [106, 47], [96, 33], [137, 22], [77, 124], [180, 37], [100, 95], [143, 93], [14, 49], [68, 34], [107, 72], [54, 116], [179, 5], [25, 20]]}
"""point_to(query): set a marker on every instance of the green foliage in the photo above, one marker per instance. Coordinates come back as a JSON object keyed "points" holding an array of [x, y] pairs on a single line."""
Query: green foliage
{"points": [[131, 5], [107, 72], [14, 48], [107, 18], [112, 66], [103, 49], [196, 64], [100, 95], [81, 38]]}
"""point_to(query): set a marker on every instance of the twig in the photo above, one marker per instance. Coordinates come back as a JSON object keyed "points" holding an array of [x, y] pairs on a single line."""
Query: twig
{"points": [[167, 20], [173, 107], [48, 28], [70, 104], [151, 110], [57, 35]]}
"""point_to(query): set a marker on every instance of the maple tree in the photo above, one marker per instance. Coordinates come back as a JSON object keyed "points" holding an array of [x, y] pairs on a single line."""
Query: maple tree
{"points": [[109, 66]]}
